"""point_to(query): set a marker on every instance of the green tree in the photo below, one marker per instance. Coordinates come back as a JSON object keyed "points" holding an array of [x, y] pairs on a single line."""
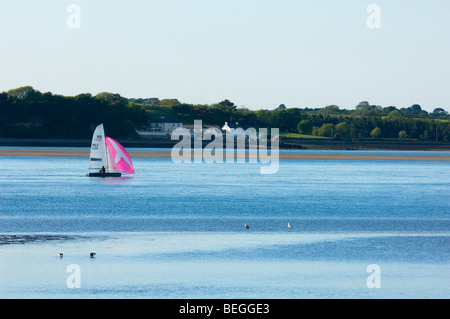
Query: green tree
{"points": [[376, 132], [329, 109], [169, 102], [402, 134], [363, 105], [111, 98], [227, 104], [446, 133], [326, 130], [439, 112], [315, 131], [305, 127], [182, 110], [342, 129], [21, 93], [263, 118], [394, 114], [426, 135]]}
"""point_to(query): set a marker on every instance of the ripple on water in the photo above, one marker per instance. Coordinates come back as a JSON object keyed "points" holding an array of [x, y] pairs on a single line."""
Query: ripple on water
{"points": [[25, 239]]}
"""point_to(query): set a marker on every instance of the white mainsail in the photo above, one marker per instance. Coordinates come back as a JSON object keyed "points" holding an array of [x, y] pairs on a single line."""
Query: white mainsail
{"points": [[98, 158]]}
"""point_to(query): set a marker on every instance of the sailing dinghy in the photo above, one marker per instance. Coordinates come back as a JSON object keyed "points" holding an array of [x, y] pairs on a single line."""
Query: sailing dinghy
{"points": [[108, 156]]}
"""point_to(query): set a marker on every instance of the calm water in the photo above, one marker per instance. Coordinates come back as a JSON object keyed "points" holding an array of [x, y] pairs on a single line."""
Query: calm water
{"points": [[176, 230]]}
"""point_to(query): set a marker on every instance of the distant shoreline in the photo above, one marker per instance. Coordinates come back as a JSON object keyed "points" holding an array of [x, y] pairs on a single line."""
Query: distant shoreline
{"points": [[284, 144], [167, 154]]}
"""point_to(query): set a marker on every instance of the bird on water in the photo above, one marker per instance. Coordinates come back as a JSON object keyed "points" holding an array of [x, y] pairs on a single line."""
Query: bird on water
{"points": [[246, 226]]}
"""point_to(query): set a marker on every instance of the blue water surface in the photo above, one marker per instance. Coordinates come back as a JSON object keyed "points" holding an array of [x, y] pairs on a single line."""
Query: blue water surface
{"points": [[177, 230]]}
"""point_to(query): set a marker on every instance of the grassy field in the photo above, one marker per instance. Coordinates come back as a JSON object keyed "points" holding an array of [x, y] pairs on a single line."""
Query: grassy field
{"points": [[297, 135], [157, 111]]}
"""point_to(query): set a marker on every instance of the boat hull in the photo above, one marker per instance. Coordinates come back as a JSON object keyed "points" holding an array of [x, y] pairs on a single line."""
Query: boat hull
{"points": [[98, 174]]}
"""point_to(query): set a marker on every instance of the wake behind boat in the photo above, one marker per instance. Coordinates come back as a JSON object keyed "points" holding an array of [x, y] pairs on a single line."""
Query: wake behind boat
{"points": [[108, 156]]}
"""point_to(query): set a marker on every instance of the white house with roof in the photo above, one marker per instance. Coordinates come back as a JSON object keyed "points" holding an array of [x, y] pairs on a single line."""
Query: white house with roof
{"points": [[239, 131], [233, 128], [160, 127]]}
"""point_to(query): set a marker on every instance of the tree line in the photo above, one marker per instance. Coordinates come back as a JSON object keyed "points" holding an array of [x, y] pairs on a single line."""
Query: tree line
{"points": [[28, 113], [365, 121]]}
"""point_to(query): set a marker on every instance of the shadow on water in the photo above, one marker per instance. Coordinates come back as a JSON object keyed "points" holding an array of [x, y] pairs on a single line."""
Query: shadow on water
{"points": [[111, 180]]}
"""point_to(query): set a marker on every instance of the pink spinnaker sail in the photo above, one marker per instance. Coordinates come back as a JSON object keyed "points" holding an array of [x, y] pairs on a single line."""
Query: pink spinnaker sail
{"points": [[120, 156]]}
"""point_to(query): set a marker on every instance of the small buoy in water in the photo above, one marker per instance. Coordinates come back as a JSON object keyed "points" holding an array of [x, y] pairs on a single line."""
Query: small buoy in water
{"points": [[246, 226], [290, 226], [92, 255], [60, 255]]}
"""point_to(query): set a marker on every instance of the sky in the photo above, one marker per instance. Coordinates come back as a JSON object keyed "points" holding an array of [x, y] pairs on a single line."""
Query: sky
{"points": [[256, 53]]}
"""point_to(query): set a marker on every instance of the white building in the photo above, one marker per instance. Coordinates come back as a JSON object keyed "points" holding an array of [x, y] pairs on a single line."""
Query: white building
{"points": [[239, 131], [233, 128], [161, 127]]}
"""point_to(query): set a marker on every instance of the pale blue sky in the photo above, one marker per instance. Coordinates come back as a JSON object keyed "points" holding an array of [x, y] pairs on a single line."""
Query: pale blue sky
{"points": [[257, 54]]}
